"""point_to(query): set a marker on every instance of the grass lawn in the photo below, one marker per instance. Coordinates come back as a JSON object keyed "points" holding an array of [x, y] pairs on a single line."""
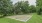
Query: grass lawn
{"points": [[6, 20], [35, 19]]}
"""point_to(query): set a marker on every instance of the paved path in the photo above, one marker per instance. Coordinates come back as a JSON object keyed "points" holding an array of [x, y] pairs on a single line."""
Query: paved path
{"points": [[23, 18]]}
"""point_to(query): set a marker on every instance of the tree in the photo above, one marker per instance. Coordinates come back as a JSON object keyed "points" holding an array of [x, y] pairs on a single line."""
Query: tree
{"points": [[39, 7], [17, 7], [21, 7], [25, 7], [5, 7], [32, 9]]}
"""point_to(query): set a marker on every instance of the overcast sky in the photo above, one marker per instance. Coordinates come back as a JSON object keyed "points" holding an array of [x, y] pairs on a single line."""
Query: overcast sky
{"points": [[31, 2]]}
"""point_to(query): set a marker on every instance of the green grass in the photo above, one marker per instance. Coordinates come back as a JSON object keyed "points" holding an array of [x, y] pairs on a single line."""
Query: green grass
{"points": [[35, 19], [7, 20]]}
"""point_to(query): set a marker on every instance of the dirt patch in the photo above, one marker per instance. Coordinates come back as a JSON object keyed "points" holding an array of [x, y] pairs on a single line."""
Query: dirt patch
{"points": [[20, 17]]}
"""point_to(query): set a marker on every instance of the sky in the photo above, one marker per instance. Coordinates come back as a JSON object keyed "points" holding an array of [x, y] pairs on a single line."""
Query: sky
{"points": [[31, 2]]}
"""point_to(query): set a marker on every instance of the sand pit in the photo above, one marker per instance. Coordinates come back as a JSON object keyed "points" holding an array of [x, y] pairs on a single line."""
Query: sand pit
{"points": [[23, 18]]}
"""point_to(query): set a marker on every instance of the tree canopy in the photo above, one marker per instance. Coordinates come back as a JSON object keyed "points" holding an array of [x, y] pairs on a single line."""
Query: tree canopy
{"points": [[39, 6], [21, 7], [6, 7]]}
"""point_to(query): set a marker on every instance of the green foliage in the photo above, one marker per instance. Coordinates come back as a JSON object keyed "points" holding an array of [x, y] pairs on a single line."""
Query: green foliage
{"points": [[32, 9], [39, 7], [25, 7], [6, 7], [21, 7], [39, 11]]}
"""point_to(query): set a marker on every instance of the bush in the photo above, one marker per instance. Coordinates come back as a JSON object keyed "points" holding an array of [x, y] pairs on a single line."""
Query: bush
{"points": [[39, 12]]}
